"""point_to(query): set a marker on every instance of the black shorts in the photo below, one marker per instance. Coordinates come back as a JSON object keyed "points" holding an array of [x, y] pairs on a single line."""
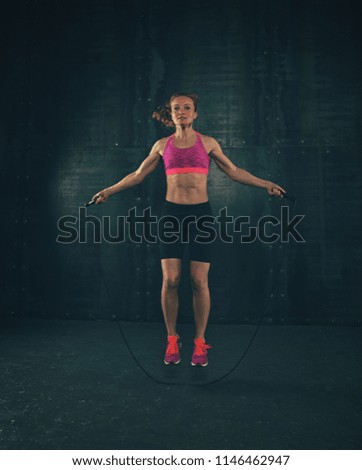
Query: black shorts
{"points": [[187, 226]]}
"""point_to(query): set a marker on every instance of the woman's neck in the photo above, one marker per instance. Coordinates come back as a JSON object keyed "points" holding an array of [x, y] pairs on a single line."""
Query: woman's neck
{"points": [[184, 132]]}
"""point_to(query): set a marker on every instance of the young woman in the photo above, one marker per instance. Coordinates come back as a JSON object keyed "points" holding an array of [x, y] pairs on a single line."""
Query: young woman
{"points": [[186, 156]]}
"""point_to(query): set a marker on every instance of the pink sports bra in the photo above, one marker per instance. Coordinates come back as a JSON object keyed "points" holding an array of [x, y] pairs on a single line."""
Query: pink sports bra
{"points": [[193, 159]]}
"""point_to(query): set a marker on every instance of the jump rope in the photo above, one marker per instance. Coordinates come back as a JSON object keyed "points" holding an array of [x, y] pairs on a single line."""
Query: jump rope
{"points": [[155, 379]]}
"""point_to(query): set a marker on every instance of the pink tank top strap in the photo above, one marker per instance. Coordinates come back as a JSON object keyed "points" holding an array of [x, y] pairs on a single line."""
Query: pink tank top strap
{"points": [[168, 142]]}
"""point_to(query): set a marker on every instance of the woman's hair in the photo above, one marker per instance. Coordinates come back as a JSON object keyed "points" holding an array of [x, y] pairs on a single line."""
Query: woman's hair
{"points": [[163, 113]]}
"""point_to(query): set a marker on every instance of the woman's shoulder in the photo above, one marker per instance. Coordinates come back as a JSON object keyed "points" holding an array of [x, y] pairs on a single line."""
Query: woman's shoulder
{"points": [[208, 141], [161, 144], [207, 138]]}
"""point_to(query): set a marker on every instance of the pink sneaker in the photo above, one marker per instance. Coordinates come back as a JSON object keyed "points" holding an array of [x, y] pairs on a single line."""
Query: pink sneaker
{"points": [[172, 351], [199, 356]]}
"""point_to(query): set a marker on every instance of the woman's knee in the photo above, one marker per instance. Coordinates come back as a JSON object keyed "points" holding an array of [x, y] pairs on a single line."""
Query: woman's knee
{"points": [[171, 280], [199, 283]]}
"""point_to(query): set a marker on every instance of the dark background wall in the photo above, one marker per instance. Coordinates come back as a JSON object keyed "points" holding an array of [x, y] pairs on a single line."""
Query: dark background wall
{"points": [[280, 88]]}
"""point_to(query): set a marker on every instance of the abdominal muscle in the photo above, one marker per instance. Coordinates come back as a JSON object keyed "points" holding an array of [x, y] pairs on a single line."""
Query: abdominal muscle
{"points": [[187, 188]]}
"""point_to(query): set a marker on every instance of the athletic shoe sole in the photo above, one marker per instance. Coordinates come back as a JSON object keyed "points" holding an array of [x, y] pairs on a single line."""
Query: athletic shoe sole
{"points": [[203, 365]]}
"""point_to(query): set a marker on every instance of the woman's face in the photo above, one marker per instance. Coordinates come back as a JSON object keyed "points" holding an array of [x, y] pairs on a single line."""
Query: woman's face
{"points": [[183, 110]]}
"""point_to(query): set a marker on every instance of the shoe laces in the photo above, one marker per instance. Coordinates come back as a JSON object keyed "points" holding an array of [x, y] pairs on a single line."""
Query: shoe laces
{"points": [[201, 347], [172, 347]]}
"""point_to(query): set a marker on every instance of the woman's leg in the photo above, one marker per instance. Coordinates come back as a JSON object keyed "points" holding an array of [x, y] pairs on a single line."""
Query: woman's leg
{"points": [[171, 272], [201, 295]]}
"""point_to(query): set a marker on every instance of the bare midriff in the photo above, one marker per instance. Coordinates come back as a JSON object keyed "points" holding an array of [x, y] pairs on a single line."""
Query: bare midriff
{"points": [[187, 188]]}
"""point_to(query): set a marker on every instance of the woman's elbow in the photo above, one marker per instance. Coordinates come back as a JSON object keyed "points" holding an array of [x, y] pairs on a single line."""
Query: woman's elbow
{"points": [[233, 174], [137, 177]]}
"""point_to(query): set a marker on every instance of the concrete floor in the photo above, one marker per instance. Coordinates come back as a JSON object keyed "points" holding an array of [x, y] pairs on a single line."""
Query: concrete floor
{"points": [[74, 385]]}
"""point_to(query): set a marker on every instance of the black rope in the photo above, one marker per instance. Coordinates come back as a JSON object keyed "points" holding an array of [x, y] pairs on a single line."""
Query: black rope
{"points": [[154, 379]]}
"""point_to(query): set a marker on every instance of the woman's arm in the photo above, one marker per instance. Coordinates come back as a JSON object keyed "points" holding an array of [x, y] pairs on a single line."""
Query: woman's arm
{"points": [[148, 165], [239, 174]]}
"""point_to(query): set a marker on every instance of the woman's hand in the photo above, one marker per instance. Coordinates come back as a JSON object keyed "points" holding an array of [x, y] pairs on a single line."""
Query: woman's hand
{"points": [[101, 196], [275, 190]]}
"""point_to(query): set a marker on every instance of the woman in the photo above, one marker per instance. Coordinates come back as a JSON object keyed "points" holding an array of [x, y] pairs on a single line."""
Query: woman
{"points": [[186, 155]]}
